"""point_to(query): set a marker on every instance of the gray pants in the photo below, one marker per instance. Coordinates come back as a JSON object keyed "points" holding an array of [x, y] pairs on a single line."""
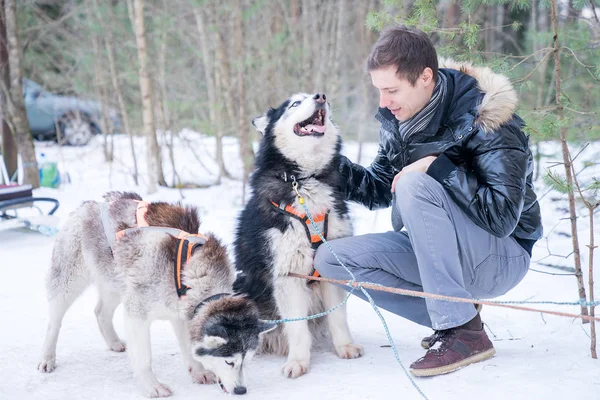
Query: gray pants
{"points": [[440, 251]]}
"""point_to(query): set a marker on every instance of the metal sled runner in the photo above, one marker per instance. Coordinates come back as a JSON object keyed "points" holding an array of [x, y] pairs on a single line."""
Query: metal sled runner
{"points": [[14, 197]]}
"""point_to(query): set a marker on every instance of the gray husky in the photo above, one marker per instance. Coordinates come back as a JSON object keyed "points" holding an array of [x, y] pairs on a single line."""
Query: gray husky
{"points": [[140, 254]]}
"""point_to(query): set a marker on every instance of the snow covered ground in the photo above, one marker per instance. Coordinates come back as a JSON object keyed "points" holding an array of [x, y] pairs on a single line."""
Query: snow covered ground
{"points": [[538, 357]]}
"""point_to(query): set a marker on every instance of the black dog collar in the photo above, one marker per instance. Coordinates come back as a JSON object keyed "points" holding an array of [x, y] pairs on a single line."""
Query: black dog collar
{"points": [[209, 299]]}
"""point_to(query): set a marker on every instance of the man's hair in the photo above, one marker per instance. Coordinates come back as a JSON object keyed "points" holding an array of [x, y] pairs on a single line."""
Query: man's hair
{"points": [[409, 50]]}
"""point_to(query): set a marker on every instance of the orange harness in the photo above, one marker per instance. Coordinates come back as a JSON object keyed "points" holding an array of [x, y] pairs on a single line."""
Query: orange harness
{"points": [[140, 217], [185, 250], [187, 243], [320, 221]]}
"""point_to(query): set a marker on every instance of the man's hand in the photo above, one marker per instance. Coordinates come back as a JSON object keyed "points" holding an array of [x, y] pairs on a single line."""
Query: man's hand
{"points": [[418, 166]]}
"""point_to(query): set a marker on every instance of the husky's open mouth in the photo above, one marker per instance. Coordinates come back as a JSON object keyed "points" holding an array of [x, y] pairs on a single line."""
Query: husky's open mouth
{"points": [[313, 126]]}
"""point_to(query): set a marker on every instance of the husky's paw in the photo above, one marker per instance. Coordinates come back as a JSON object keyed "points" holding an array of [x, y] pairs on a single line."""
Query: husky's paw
{"points": [[117, 346], [157, 390], [47, 365], [294, 368], [202, 376], [350, 351]]}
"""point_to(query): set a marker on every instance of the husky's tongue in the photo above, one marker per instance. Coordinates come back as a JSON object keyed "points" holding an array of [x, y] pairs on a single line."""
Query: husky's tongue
{"points": [[315, 128]]}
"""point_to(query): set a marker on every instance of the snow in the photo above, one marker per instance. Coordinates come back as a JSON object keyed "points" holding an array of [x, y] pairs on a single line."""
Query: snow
{"points": [[538, 357]]}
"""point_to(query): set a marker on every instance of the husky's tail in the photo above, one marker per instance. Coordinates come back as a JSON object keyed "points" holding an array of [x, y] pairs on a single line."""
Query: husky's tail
{"points": [[114, 195]]}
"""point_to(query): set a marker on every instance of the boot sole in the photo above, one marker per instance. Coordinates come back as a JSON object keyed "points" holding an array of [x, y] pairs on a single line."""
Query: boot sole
{"points": [[484, 355]]}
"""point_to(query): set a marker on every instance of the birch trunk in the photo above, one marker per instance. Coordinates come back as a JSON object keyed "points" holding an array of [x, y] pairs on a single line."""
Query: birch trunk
{"points": [[109, 43], [246, 152], [101, 94], [153, 157]]}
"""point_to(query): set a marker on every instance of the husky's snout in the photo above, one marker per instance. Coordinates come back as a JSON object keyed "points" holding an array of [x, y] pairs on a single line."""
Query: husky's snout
{"points": [[239, 390], [320, 98]]}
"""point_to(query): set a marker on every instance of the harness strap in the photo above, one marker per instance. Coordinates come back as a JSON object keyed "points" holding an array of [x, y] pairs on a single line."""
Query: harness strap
{"points": [[107, 224], [140, 217], [209, 299], [186, 245], [314, 273], [313, 236], [185, 250], [140, 213], [177, 233]]}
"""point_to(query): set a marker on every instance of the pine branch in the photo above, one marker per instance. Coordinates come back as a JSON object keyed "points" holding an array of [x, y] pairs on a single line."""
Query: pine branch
{"points": [[580, 112], [525, 58], [587, 67], [535, 69]]}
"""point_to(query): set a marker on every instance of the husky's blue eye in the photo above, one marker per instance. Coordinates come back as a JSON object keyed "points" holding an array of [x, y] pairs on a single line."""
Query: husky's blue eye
{"points": [[231, 364], [295, 104]]}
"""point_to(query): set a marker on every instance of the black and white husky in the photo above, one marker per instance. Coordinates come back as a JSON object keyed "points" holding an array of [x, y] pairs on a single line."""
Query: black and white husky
{"points": [[300, 146]]}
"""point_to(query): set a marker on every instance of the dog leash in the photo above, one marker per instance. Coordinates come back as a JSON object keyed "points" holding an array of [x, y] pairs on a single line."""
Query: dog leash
{"points": [[214, 297]]}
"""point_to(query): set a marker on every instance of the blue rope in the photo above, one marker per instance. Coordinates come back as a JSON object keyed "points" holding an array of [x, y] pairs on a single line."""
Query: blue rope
{"points": [[314, 316]]}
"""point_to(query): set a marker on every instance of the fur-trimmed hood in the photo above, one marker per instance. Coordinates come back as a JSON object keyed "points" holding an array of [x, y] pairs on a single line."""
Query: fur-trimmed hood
{"points": [[500, 100]]}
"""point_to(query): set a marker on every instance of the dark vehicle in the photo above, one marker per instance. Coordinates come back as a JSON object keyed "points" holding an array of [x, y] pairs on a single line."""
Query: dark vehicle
{"points": [[70, 120]]}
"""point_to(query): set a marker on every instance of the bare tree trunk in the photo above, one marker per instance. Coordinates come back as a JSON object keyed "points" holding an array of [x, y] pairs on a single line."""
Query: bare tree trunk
{"points": [[9, 146], [498, 40], [154, 158], [339, 44], [220, 71], [539, 23], [162, 109], [453, 15], [246, 151], [488, 34], [323, 32], [567, 161], [308, 33], [295, 8], [366, 39], [208, 67], [224, 69], [101, 93], [273, 70], [16, 106], [592, 248], [219, 126], [211, 84], [109, 43]]}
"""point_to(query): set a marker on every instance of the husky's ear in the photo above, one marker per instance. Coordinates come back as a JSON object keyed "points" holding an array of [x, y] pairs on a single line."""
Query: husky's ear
{"points": [[212, 342], [261, 123], [265, 327]]}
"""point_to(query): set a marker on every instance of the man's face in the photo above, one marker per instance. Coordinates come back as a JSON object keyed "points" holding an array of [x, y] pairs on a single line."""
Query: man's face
{"points": [[398, 95]]}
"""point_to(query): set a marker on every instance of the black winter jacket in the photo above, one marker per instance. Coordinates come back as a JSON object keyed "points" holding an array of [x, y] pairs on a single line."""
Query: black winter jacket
{"points": [[483, 156]]}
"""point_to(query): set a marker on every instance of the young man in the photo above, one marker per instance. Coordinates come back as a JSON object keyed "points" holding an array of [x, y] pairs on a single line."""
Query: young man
{"points": [[456, 167]]}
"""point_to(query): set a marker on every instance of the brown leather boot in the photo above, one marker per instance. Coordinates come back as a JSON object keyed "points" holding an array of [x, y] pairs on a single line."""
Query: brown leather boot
{"points": [[454, 348], [428, 341]]}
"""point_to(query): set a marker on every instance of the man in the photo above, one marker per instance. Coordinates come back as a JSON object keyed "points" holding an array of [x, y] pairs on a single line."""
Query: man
{"points": [[456, 167]]}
